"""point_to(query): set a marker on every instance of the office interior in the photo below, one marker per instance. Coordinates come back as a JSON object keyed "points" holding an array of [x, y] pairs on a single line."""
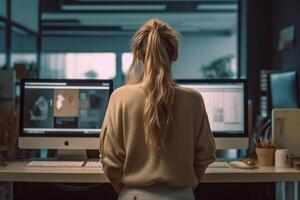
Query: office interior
{"points": [[229, 40]]}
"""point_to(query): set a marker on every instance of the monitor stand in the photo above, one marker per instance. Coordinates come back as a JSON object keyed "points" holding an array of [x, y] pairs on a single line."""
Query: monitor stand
{"points": [[68, 154]]}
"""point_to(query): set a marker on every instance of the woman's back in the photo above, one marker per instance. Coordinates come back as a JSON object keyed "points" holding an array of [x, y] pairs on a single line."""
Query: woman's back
{"points": [[188, 147], [155, 135]]}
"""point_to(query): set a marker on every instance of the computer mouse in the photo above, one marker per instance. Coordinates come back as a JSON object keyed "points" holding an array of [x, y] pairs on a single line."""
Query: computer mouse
{"points": [[241, 165], [249, 161]]}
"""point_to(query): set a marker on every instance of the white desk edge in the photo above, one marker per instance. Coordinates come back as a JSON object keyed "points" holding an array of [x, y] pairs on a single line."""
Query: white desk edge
{"points": [[18, 172]]}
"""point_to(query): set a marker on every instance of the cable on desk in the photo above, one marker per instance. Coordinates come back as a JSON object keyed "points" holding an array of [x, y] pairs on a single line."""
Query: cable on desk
{"points": [[68, 187], [93, 154]]}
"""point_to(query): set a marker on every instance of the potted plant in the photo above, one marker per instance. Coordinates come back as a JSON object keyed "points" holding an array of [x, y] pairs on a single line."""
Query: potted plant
{"points": [[8, 132], [219, 68], [265, 151]]}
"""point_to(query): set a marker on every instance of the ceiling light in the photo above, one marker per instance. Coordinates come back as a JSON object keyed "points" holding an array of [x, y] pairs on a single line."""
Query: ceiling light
{"points": [[130, 27], [113, 7], [134, 0], [217, 7], [110, 33]]}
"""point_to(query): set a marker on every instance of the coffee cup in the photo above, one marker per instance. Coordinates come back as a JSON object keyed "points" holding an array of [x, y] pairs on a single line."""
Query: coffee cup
{"points": [[282, 158]]}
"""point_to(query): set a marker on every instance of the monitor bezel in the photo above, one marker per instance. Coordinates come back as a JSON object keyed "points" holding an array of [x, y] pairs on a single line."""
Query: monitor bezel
{"points": [[225, 81], [58, 134]]}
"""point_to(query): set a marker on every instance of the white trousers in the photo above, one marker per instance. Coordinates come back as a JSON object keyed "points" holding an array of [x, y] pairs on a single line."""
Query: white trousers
{"points": [[156, 192]]}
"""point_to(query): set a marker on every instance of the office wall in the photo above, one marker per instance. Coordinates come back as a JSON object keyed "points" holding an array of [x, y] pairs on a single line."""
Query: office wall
{"points": [[86, 44], [194, 50], [2, 37], [285, 13], [23, 42], [2, 44], [265, 20], [25, 12], [3, 8], [258, 46]]}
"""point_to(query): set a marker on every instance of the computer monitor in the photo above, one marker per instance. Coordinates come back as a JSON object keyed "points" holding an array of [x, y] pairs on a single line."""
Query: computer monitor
{"points": [[284, 89], [62, 114], [226, 107]]}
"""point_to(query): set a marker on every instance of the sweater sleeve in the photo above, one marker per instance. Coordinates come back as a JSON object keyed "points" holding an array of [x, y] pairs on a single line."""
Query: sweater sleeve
{"points": [[111, 141], [204, 147]]}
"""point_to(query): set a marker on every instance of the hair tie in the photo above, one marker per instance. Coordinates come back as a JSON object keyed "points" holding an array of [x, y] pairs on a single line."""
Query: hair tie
{"points": [[155, 27]]}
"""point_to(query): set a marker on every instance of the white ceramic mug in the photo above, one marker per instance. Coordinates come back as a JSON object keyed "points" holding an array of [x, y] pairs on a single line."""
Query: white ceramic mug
{"points": [[282, 158]]}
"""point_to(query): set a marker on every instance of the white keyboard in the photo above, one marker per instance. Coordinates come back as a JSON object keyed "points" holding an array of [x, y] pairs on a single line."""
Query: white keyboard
{"points": [[93, 164], [219, 164], [55, 164]]}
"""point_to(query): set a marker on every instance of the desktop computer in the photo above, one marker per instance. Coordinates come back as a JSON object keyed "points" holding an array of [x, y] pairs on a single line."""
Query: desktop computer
{"points": [[68, 114], [226, 106], [63, 114]]}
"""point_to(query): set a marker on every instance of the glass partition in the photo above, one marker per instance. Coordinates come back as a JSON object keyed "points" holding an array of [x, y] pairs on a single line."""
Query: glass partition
{"points": [[24, 53], [126, 62], [25, 12], [2, 44], [208, 33], [78, 65], [3, 6]]}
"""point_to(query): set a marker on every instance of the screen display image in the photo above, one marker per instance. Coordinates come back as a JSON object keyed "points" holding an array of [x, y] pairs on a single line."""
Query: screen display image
{"points": [[224, 103], [55, 108]]}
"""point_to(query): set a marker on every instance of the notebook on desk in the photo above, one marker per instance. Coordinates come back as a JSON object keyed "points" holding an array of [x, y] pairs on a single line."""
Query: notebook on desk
{"points": [[286, 129]]}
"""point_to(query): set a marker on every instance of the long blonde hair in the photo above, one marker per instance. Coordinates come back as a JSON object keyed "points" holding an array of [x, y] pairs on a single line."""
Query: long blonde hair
{"points": [[155, 46]]}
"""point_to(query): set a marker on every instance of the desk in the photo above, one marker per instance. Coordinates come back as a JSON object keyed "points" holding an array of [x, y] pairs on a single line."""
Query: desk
{"points": [[263, 174], [18, 172]]}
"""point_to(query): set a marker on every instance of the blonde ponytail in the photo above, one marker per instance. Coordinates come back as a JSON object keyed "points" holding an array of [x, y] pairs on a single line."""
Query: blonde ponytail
{"points": [[155, 43]]}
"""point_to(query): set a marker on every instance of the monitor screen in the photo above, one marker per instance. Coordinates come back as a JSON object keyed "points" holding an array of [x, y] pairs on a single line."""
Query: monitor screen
{"points": [[63, 107], [225, 104], [283, 85]]}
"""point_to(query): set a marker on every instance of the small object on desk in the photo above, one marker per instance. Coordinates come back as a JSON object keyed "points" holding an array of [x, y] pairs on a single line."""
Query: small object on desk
{"points": [[250, 161], [55, 164], [282, 158], [296, 165], [285, 126], [2, 165], [265, 150], [93, 164], [296, 162], [265, 156], [219, 164], [243, 164]]}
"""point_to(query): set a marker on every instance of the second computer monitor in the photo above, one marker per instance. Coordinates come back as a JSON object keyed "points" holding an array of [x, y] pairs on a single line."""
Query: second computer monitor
{"points": [[62, 114], [226, 107], [284, 89]]}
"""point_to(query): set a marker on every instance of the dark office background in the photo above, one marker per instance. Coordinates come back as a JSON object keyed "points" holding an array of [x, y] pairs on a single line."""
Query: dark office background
{"points": [[265, 19], [259, 25], [260, 22]]}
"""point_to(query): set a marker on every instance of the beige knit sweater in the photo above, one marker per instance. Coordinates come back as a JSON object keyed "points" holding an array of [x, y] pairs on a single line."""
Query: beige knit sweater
{"points": [[190, 145]]}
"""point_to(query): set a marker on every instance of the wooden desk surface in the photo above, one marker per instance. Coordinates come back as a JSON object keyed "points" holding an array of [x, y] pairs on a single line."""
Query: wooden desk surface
{"points": [[18, 172], [262, 174]]}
